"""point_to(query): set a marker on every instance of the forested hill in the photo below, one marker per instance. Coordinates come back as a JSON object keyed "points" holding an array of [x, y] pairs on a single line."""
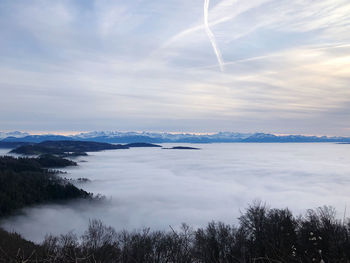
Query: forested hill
{"points": [[75, 148], [65, 147], [27, 181]]}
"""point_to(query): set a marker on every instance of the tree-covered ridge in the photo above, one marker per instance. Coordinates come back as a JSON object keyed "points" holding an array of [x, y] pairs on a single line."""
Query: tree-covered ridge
{"points": [[182, 148], [72, 148], [65, 147], [27, 181], [33, 164], [52, 161], [12, 145]]}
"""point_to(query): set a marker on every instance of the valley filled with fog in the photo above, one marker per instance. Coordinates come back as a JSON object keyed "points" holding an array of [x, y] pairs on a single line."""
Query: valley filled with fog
{"points": [[154, 187]]}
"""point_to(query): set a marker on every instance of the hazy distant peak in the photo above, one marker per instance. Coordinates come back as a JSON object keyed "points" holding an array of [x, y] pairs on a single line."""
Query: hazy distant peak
{"points": [[163, 135], [167, 137], [16, 134]]}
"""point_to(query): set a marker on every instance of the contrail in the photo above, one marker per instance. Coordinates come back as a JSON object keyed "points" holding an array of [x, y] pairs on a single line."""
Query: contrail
{"points": [[211, 35]]}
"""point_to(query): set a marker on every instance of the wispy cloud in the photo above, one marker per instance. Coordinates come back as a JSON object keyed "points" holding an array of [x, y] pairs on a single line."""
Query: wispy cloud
{"points": [[211, 35]]}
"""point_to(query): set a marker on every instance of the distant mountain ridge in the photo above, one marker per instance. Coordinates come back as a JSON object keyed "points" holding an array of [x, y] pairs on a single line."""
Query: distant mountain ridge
{"points": [[16, 134], [152, 137]]}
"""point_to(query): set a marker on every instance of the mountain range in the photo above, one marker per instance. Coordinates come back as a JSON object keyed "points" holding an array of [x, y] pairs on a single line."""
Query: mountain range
{"points": [[153, 137]]}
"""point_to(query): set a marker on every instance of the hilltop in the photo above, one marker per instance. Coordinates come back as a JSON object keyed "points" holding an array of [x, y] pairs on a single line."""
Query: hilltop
{"points": [[65, 148]]}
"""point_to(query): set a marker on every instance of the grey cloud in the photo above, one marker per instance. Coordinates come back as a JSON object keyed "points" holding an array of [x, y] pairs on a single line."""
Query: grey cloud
{"points": [[150, 61]]}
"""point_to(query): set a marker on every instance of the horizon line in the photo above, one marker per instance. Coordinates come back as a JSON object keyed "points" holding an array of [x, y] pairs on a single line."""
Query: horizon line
{"points": [[74, 133]]}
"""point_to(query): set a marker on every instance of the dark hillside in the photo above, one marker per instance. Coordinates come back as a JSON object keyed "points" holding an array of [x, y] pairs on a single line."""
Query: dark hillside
{"points": [[25, 181], [65, 147], [11, 145]]}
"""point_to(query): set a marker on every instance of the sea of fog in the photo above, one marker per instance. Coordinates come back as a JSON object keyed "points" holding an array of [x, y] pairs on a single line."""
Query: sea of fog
{"points": [[153, 187]]}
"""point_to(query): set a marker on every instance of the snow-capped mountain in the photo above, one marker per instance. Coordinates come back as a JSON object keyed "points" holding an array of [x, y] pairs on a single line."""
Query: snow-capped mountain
{"points": [[158, 137], [115, 136], [16, 134]]}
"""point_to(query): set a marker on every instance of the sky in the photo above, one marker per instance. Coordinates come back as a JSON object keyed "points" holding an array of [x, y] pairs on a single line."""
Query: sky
{"points": [[80, 65]]}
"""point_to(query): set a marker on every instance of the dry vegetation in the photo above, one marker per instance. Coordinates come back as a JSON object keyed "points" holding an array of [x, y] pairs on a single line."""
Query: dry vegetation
{"points": [[261, 235]]}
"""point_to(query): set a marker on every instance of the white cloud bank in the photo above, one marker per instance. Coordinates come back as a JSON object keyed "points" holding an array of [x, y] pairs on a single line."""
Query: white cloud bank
{"points": [[157, 188]]}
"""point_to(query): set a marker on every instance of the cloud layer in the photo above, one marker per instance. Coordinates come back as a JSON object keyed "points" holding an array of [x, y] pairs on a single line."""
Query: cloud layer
{"points": [[148, 65], [156, 188]]}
